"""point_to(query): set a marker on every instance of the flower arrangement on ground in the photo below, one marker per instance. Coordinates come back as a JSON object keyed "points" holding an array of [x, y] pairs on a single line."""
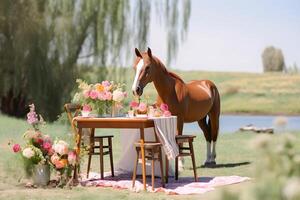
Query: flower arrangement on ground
{"points": [[102, 97], [38, 147], [63, 161], [40, 152]]}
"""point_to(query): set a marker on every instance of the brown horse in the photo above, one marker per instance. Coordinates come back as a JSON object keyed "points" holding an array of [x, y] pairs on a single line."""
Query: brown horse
{"points": [[197, 100]]}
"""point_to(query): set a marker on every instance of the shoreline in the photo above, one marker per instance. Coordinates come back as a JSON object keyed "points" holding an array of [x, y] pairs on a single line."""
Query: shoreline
{"points": [[260, 114]]}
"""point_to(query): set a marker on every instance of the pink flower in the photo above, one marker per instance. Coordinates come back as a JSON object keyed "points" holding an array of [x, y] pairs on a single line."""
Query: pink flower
{"points": [[93, 94], [16, 148], [72, 157], [54, 158], [32, 117], [164, 107], [86, 93], [106, 83], [125, 94], [86, 107], [47, 146], [101, 96], [134, 104], [108, 96], [142, 107], [167, 113]]}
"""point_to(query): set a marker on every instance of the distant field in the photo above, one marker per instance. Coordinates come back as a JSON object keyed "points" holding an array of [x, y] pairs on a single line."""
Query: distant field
{"points": [[247, 93]]}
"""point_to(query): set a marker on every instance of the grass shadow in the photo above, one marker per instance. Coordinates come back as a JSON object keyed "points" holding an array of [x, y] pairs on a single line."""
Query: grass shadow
{"points": [[225, 165]]}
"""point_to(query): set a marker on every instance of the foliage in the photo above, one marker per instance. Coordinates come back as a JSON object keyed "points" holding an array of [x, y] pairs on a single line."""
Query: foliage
{"points": [[43, 42], [273, 59], [278, 173]]}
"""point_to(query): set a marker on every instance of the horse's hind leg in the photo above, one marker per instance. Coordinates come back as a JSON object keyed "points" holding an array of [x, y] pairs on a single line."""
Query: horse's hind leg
{"points": [[214, 124], [206, 130]]}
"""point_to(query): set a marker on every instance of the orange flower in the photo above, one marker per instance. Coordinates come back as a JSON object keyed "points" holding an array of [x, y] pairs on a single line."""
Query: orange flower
{"points": [[64, 161], [99, 88]]}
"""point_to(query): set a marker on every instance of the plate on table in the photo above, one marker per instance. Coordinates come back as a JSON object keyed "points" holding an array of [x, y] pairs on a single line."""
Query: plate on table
{"points": [[141, 116]]}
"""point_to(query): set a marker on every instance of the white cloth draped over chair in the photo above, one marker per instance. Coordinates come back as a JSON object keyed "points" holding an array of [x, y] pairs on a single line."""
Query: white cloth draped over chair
{"points": [[166, 128]]}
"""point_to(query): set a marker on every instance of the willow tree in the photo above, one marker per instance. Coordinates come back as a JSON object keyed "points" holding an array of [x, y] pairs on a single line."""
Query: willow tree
{"points": [[42, 42]]}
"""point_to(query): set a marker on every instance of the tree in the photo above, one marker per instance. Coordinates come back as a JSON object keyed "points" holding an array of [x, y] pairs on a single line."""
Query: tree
{"points": [[273, 59], [42, 42]]}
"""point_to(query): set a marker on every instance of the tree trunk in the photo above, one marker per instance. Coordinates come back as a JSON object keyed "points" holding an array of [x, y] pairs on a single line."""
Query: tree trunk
{"points": [[14, 105]]}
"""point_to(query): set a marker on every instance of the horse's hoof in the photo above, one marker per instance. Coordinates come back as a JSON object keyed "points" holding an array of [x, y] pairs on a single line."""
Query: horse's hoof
{"points": [[212, 163], [206, 164]]}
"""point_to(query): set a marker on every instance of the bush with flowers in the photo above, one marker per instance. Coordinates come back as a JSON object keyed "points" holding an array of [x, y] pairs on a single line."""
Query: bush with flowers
{"points": [[39, 149], [103, 97]]}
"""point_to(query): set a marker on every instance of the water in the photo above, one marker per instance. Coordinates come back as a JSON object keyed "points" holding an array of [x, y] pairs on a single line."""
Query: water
{"points": [[232, 123]]}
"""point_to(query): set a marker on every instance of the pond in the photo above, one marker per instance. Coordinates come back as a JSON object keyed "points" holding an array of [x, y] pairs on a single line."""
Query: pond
{"points": [[232, 123]]}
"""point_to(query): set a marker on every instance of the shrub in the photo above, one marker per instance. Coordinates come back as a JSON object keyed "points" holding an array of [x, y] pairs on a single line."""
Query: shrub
{"points": [[273, 59]]}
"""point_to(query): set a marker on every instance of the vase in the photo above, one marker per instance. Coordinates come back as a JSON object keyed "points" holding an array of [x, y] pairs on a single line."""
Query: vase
{"points": [[107, 110], [41, 174]]}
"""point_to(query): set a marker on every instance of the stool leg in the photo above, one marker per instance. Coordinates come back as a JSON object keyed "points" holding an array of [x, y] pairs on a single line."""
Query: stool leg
{"points": [[161, 167], [135, 167], [101, 158], [176, 168], [111, 157], [167, 169], [193, 160], [152, 167]]}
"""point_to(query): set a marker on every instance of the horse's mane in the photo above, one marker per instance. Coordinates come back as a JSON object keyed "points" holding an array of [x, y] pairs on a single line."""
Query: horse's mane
{"points": [[172, 74]]}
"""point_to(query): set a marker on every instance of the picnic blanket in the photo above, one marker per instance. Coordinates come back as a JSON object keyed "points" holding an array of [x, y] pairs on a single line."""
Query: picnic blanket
{"points": [[184, 186]]}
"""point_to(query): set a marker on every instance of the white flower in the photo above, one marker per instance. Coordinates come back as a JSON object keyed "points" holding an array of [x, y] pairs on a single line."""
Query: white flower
{"points": [[28, 152], [61, 147], [118, 95]]}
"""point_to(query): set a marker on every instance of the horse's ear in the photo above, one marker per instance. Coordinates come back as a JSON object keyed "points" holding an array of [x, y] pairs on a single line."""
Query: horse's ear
{"points": [[137, 52], [149, 52]]}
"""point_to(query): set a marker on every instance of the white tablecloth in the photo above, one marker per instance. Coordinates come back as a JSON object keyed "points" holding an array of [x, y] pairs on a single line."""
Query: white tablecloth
{"points": [[166, 131]]}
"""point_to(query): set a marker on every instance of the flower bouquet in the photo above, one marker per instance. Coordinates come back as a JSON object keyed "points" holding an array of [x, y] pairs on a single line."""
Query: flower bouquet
{"points": [[39, 153], [105, 98]]}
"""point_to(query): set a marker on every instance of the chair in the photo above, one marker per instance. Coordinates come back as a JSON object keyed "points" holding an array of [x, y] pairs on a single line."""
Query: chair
{"points": [[96, 143], [153, 153], [181, 140]]}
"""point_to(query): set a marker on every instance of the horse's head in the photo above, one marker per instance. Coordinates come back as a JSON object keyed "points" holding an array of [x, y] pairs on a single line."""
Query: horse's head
{"points": [[143, 66]]}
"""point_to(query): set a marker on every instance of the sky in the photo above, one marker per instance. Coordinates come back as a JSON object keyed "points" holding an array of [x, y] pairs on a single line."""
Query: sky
{"points": [[230, 35]]}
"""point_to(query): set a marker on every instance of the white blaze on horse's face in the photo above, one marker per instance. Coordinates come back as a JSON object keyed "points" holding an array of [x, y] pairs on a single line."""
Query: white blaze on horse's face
{"points": [[135, 84]]}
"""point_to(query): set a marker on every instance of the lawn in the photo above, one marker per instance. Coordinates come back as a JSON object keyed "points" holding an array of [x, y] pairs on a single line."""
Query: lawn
{"points": [[233, 153]]}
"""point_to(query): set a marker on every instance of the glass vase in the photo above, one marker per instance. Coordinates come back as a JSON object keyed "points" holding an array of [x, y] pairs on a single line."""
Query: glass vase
{"points": [[41, 174]]}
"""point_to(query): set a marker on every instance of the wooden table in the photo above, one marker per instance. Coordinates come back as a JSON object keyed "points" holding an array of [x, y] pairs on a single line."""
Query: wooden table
{"points": [[118, 123]]}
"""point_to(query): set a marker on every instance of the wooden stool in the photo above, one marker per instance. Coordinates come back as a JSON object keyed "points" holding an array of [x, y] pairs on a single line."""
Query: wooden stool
{"points": [[180, 140], [152, 152], [100, 147]]}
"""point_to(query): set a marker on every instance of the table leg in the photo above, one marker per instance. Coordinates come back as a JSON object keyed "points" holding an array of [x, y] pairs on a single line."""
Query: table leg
{"points": [[76, 168], [143, 157]]}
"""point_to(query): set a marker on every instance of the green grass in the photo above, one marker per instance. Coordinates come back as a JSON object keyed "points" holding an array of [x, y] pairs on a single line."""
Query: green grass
{"points": [[252, 93], [232, 149]]}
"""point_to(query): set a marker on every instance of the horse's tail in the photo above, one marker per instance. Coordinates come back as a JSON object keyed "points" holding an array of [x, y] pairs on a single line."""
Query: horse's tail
{"points": [[214, 114]]}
